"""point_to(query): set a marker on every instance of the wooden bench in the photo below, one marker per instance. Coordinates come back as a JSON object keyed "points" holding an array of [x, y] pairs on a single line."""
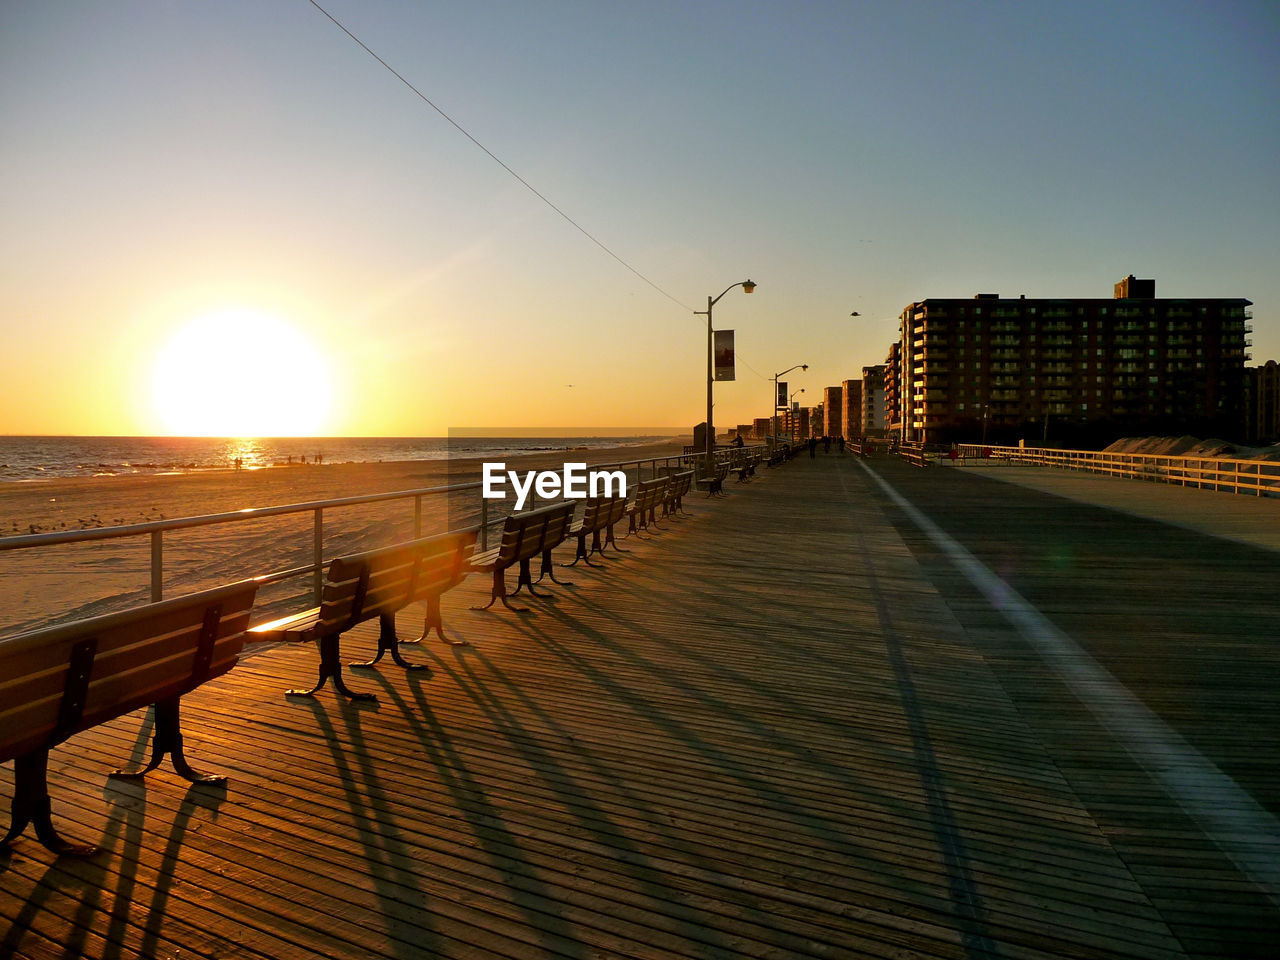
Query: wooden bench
{"points": [[524, 536], [747, 469], [641, 512], [556, 532], [377, 583], [678, 485], [715, 482], [595, 522], [617, 510], [60, 680]]}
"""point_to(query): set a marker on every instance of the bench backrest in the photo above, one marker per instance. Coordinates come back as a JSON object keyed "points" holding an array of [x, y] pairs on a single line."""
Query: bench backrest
{"points": [[679, 485], [650, 492], [559, 518], [617, 510], [594, 514], [522, 534], [442, 563], [361, 586], [59, 680]]}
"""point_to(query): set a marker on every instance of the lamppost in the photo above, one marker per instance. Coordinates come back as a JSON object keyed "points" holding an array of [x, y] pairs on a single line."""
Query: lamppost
{"points": [[773, 423], [748, 286], [791, 434]]}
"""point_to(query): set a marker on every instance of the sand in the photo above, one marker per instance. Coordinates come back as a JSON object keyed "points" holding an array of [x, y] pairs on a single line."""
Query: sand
{"points": [[56, 583]]}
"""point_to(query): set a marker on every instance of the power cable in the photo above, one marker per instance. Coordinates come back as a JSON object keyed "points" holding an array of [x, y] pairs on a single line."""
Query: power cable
{"points": [[489, 153]]}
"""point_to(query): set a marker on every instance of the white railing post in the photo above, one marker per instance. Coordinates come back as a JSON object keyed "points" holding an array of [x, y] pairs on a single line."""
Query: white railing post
{"points": [[317, 556], [157, 566]]}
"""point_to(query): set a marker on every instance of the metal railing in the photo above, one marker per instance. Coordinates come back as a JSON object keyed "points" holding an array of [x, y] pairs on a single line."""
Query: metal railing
{"points": [[156, 529], [1259, 478]]}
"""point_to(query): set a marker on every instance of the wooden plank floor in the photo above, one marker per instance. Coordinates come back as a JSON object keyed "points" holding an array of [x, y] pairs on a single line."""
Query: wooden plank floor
{"points": [[780, 728]]}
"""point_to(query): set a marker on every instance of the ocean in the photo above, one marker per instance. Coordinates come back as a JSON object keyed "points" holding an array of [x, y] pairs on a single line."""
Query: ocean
{"points": [[27, 459]]}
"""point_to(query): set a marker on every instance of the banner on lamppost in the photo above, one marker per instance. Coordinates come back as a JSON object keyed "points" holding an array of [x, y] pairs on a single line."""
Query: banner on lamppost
{"points": [[781, 403], [723, 354]]}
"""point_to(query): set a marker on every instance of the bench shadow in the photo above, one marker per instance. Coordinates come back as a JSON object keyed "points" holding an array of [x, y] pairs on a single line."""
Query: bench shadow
{"points": [[533, 896], [577, 799], [386, 854], [83, 881]]}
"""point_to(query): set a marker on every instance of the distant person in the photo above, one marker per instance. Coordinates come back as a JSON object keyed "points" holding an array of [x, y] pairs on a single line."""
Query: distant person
{"points": [[737, 440], [826, 445], [813, 447], [840, 441]]}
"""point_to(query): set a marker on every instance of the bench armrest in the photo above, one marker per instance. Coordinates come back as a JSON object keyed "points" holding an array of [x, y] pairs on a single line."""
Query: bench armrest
{"points": [[295, 628]]}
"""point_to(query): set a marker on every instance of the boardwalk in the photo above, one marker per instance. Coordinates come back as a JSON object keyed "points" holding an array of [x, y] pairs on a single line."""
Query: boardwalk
{"points": [[792, 725]]}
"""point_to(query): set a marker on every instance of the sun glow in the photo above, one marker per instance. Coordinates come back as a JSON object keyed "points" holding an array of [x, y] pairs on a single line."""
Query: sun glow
{"points": [[241, 373]]}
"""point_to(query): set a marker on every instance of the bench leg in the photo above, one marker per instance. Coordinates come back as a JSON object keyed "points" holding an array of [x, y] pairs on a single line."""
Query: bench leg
{"points": [[31, 806], [500, 593], [435, 622], [166, 740], [388, 642], [583, 554], [610, 540], [526, 580], [597, 545], [331, 667], [549, 570]]}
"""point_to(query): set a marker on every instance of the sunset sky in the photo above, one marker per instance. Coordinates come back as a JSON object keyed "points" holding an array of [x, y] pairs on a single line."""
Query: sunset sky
{"points": [[243, 167]]}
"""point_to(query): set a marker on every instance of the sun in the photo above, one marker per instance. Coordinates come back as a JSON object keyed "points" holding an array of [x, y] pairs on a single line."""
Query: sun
{"points": [[241, 373]]}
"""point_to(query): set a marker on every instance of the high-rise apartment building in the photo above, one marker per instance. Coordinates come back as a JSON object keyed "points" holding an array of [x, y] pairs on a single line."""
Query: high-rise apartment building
{"points": [[832, 403], [873, 422], [1071, 370], [851, 409], [892, 392]]}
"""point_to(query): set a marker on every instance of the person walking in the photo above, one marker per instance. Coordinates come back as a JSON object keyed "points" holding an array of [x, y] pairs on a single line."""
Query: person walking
{"points": [[813, 447]]}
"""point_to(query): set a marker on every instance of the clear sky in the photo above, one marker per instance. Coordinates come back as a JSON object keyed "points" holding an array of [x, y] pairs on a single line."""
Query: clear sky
{"points": [[372, 272]]}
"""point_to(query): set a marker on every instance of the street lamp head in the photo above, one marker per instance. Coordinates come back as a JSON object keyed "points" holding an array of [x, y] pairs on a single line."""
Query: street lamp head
{"points": [[804, 366], [855, 314], [748, 286]]}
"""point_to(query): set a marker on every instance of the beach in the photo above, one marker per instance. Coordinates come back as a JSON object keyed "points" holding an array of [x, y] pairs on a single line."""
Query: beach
{"points": [[74, 580]]}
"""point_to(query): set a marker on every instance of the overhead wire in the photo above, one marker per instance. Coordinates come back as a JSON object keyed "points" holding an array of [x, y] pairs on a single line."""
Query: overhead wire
{"points": [[498, 160]]}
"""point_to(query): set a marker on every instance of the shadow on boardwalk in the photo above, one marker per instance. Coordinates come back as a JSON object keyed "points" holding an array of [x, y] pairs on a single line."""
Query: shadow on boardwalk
{"points": [[780, 728]]}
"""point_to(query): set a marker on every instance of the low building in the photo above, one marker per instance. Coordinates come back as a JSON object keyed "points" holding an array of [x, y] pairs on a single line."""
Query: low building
{"points": [[1262, 403]]}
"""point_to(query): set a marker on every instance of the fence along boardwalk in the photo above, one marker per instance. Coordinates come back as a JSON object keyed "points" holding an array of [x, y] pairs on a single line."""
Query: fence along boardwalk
{"points": [[762, 732]]}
